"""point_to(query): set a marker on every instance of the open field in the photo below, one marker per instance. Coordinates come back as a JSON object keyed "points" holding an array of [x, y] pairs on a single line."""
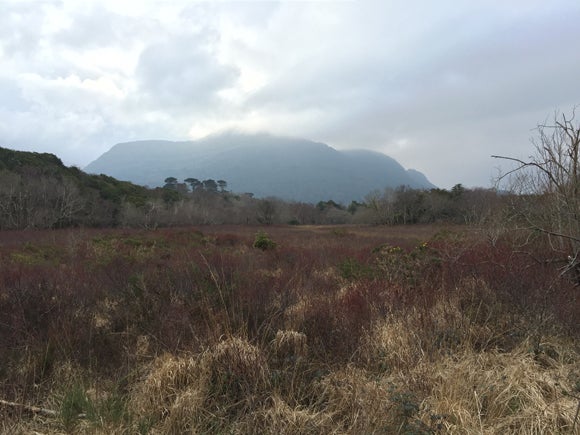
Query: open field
{"points": [[318, 329]]}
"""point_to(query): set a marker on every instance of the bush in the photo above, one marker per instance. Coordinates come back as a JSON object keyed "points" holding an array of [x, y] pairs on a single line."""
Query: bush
{"points": [[263, 241]]}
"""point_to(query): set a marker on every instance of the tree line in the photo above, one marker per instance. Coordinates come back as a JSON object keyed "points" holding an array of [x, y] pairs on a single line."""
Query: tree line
{"points": [[38, 191]]}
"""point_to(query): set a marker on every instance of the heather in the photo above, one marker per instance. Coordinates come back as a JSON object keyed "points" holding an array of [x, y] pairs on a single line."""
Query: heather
{"points": [[286, 329]]}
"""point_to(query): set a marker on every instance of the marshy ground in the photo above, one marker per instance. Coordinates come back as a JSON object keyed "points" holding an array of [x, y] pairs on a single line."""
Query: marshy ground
{"points": [[327, 329]]}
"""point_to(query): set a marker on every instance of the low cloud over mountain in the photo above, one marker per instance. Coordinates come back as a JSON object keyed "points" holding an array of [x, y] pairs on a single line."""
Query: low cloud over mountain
{"points": [[289, 168]]}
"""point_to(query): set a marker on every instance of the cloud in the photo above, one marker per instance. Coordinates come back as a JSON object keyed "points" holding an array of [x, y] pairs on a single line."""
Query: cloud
{"points": [[182, 74], [93, 26], [439, 86], [21, 26], [446, 90]]}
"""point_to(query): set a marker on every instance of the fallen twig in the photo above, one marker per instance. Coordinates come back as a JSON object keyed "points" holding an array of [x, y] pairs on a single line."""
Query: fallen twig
{"points": [[29, 408]]}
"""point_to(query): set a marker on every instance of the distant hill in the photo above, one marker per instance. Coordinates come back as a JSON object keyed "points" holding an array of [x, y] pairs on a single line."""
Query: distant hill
{"points": [[266, 165], [38, 191]]}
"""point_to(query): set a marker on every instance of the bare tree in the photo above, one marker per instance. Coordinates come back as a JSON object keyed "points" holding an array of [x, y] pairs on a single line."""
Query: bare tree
{"points": [[266, 211], [548, 187], [380, 204]]}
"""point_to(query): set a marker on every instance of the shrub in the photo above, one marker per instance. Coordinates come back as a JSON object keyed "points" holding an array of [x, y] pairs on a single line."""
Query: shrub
{"points": [[352, 269], [263, 241]]}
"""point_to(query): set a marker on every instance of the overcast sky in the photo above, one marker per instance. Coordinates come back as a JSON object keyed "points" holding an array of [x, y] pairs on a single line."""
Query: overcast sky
{"points": [[438, 85]]}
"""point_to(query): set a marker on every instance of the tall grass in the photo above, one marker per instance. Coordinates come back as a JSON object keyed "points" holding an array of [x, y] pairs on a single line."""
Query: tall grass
{"points": [[362, 330]]}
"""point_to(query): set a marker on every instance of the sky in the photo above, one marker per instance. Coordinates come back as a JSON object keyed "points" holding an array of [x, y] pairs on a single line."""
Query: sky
{"points": [[438, 85]]}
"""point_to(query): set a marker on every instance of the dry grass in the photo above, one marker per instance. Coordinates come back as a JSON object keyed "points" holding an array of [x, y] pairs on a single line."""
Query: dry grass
{"points": [[459, 359], [235, 372], [318, 337], [185, 394], [167, 378], [495, 393], [290, 346], [277, 417], [358, 401]]}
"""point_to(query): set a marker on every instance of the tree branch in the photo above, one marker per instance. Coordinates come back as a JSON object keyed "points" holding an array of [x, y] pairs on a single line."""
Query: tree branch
{"points": [[29, 408], [527, 164]]}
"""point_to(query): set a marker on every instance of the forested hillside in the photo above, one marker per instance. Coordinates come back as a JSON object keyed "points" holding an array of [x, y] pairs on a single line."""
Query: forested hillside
{"points": [[39, 191]]}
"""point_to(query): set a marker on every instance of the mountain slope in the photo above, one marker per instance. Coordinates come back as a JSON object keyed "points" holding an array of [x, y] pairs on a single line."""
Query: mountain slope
{"points": [[293, 169], [38, 191]]}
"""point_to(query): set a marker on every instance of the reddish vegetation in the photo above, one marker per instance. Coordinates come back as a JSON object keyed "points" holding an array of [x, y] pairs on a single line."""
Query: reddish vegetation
{"points": [[109, 302]]}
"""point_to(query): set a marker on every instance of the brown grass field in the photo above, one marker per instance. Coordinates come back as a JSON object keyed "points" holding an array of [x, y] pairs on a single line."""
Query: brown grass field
{"points": [[316, 330]]}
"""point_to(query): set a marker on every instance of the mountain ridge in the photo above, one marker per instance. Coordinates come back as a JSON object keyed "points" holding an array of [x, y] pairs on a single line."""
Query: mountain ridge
{"points": [[264, 164]]}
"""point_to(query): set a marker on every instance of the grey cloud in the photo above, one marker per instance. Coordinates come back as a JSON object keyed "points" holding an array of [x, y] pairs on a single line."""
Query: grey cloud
{"points": [[21, 26], [438, 86], [180, 73], [97, 27], [489, 71], [449, 94], [27, 46], [12, 98]]}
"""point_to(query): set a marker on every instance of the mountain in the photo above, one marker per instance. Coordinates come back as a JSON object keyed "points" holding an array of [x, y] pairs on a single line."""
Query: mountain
{"points": [[266, 165]]}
